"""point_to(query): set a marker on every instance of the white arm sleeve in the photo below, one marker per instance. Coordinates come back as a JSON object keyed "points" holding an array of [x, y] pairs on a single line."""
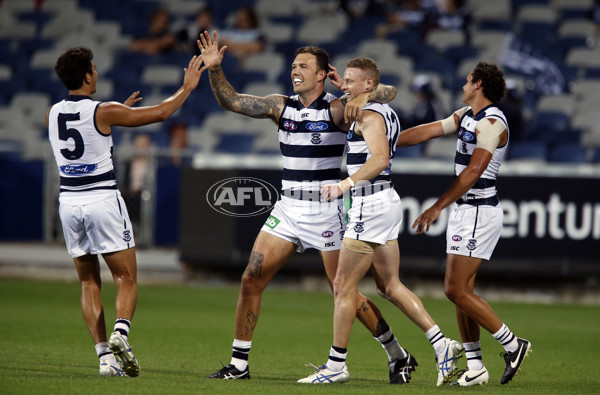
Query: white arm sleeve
{"points": [[449, 125], [489, 134]]}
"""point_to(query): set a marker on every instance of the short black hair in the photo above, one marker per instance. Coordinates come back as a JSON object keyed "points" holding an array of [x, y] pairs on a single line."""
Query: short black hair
{"points": [[492, 80], [72, 66], [321, 55]]}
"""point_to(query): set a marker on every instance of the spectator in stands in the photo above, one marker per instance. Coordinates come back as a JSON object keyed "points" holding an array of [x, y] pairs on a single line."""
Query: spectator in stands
{"points": [[244, 37], [453, 15], [359, 8], [135, 177], [160, 39], [402, 14], [204, 21], [178, 145], [512, 107], [428, 107]]}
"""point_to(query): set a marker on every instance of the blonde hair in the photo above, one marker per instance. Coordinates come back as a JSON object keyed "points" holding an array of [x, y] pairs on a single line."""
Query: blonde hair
{"points": [[367, 66]]}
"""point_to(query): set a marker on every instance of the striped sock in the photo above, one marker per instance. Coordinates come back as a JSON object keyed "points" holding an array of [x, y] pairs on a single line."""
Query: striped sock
{"points": [[122, 326], [437, 339], [391, 346], [104, 353], [337, 358], [507, 339], [473, 354], [239, 356]]}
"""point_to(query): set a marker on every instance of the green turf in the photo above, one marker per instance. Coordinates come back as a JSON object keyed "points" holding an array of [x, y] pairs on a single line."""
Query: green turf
{"points": [[181, 333]]}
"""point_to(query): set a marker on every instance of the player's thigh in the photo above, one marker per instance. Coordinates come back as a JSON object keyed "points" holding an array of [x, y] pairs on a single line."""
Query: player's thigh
{"points": [[122, 264], [268, 255], [386, 262], [352, 267], [88, 268], [460, 272]]}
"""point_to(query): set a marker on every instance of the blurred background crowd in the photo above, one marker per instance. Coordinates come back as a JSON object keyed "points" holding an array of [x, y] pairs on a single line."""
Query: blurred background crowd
{"points": [[547, 49]]}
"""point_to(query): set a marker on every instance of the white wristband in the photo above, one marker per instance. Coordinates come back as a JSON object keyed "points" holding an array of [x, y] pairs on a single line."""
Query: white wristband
{"points": [[351, 182]]}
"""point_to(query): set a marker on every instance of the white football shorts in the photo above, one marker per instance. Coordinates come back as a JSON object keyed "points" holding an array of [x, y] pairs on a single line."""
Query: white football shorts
{"points": [[93, 226], [474, 230], [375, 218], [308, 224]]}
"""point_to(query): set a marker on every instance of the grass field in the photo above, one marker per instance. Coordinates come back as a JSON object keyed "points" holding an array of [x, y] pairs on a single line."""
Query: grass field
{"points": [[180, 334]]}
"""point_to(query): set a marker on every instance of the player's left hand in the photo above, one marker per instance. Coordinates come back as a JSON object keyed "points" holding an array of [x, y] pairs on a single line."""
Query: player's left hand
{"points": [[193, 72], [353, 109], [131, 100], [331, 191], [426, 219], [334, 78]]}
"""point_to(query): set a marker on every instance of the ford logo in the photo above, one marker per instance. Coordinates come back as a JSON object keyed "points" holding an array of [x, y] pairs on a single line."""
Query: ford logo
{"points": [[242, 196], [316, 126], [78, 169], [327, 233]]}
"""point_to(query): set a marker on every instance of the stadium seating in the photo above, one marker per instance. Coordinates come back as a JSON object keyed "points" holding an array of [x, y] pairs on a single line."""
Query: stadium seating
{"points": [[31, 40]]}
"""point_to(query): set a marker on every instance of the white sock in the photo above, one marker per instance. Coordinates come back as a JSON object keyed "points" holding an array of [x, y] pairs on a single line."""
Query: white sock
{"points": [[337, 358], [507, 339], [122, 326], [473, 354], [104, 353], [239, 356], [391, 346], [437, 339]]}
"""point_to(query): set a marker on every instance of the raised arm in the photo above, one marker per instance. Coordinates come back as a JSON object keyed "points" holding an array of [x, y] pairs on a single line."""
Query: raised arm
{"points": [[422, 133], [114, 113], [253, 106]]}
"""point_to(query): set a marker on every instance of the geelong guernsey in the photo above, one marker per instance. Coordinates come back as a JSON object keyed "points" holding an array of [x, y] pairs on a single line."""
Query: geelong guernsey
{"points": [[83, 153], [357, 151], [311, 144], [484, 190]]}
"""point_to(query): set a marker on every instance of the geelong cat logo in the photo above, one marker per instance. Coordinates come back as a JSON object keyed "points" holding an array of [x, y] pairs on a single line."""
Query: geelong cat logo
{"points": [[242, 196]]}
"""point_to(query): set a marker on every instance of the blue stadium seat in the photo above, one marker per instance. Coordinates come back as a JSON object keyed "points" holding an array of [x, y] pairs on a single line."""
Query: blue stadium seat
{"points": [[568, 153], [596, 156], [414, 151], [457, 54], [528, 150], [235, 143], [541, 35]]}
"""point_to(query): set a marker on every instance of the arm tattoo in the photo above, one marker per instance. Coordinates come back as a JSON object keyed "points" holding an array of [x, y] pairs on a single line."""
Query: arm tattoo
{"points": [[383, 94], [222, 89], [229, 99], [254, 267]]}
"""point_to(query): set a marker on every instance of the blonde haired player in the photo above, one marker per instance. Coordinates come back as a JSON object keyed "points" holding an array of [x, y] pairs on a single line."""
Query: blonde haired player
{"points": [[371, 237]]}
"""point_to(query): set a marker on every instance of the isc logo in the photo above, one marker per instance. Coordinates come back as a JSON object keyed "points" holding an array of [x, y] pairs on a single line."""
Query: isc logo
{"points": [[242, 196]]}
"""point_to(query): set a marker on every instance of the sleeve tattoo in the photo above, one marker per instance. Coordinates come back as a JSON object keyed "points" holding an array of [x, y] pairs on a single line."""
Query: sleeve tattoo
{"points": [[229, 99]]}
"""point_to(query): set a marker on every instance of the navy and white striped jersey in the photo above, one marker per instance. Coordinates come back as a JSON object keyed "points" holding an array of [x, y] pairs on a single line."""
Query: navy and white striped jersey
{"points": [[311, 144], [485, 187], [83, 153], [357, 151]]}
